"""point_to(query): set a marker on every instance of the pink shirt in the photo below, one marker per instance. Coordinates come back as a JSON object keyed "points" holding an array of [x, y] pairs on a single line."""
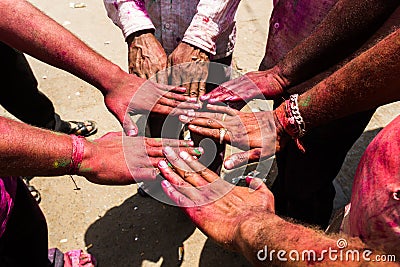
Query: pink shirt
{"points": [[8, 190], [206, 24]]}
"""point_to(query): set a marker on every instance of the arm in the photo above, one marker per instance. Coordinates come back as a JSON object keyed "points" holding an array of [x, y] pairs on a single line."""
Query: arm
{"points": [[53, 44], [346, 27], [111, 159], [366, 82], [243, 219], [146, 56], [198, 43]]}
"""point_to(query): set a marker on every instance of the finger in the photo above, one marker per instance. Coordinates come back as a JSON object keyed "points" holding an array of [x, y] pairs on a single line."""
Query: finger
{"points": [[187, 86], [179, 183], [203, 122], [180, 166], [162, 77], [179, 97], [212, 133], [208, 115], [159, 142], [130, 128], [144, 174], [202, 89], [174, 103], [175, 77], [199, 168], [180, 199], [194, 89], [223, 109], [242, 158], [169, 88], [158, 151], [255, 183]]}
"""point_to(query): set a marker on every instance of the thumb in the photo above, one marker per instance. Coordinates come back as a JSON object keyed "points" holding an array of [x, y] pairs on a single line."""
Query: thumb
{"points": [[256, 183], [130, 128]]}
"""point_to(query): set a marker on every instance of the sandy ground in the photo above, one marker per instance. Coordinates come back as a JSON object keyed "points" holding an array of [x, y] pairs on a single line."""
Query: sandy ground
{"points": [[117, 225]]}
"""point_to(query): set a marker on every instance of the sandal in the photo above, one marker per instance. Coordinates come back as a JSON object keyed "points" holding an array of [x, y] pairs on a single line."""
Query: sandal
{"points": [[85, 128], [34, 192]]}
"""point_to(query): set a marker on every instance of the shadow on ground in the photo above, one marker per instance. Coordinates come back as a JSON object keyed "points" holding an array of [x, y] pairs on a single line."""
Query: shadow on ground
{"points": [[144, 229]]}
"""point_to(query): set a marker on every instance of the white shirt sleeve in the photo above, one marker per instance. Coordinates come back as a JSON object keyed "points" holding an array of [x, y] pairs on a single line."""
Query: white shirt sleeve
{"points": [[213, 17], [129, 15]]}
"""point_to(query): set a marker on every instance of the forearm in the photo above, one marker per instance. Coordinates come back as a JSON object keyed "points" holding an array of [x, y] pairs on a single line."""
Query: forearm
{"points": [[53, 44], [263, 235], [370, 80], [26, 150], [347, 26]]}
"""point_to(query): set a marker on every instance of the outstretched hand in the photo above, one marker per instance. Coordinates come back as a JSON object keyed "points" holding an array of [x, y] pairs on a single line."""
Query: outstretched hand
{"points": [[146, 57], [258, 84], [215, 206], [136, 95], [255, 133], [193, 74], [117, 160]]}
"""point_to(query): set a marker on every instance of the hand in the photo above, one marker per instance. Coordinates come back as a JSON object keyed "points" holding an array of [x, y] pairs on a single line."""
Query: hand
{"points": [[116, 160], [255, 133], [257, 84], [147, 57], [192, 75], [215, 206], [136, 95]]}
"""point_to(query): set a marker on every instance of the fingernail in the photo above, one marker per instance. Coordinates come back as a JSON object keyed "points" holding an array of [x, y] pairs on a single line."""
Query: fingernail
{"points": [[229, 164], [248, 180], [165, 183], [199, 151], [191, 113], [191, 143], [162, 164], [184, 155], [204, 97], [193, 99], [132, 132], [168, 150], [212, 100]]}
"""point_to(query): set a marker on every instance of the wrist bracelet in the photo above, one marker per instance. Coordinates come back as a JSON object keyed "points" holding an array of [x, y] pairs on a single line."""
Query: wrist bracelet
{"points": [[294, 116], [77, 153], [289, 118]]}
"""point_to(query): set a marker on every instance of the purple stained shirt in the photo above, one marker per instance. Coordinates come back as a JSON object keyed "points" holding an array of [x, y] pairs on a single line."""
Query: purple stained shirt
{"points": [[291, 22], [8, 190]]}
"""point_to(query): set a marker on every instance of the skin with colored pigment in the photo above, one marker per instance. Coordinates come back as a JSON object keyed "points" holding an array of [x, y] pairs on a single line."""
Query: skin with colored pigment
{"points": [[243, 219], [50, 42], [348, 25]]}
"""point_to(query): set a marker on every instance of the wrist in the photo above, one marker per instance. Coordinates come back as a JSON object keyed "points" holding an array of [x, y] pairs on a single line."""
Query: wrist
{"points": [[250, 238], [78, 149], [86, 166], [289, 122], [281, 80], [131, 37]]}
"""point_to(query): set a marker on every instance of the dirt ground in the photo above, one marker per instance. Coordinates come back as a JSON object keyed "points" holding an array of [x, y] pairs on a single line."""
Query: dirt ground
{"points": [[117, 225]]}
